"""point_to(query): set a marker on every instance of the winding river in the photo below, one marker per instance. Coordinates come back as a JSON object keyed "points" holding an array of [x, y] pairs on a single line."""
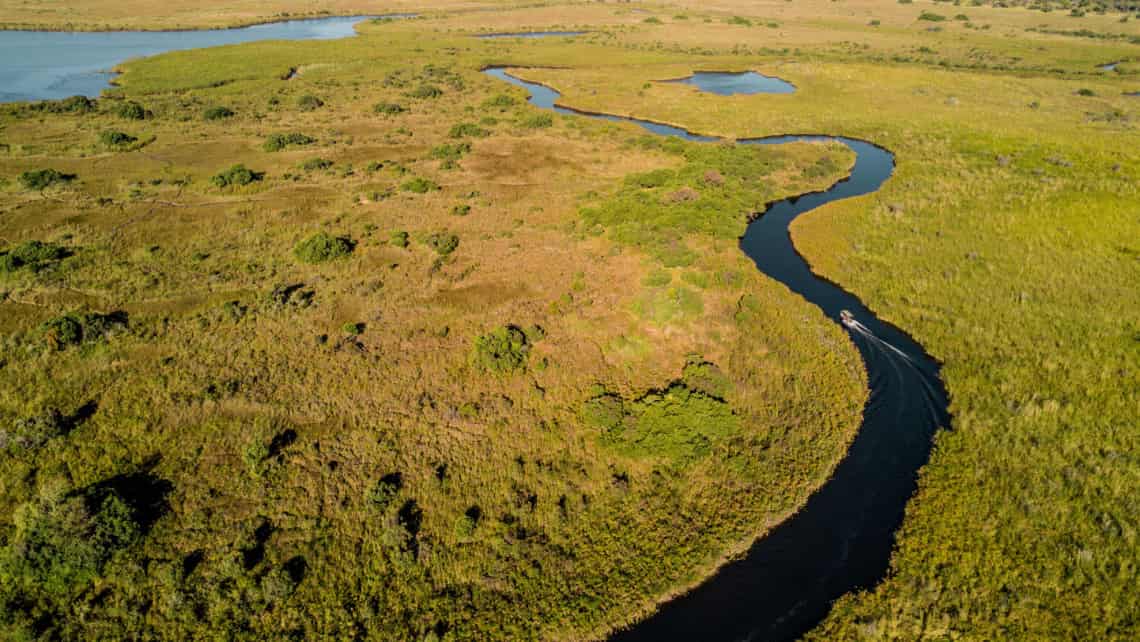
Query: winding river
{"points": [[841, 539]]}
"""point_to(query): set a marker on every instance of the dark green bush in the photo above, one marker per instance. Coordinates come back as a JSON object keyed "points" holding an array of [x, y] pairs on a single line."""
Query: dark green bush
{"points": [[399, 239], [707, 378], [386, 490], [1085, 92], [605, 411], [61, 543], [314, 164], [465, 130], [931, 17], [278, 142], [309, 102], [443, 243], [116, 139], [74, 329], [426, 91], [450, 152], [236, 175], [420, 185], [389, 109], [71, 105], [461, 210], [33, 255], [353, 329], [322, 247], [131, 110], [217, 112], [502, 351], [41, 179]]}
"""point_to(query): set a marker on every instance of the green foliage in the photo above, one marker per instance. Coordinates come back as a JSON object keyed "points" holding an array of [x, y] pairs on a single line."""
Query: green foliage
{"points": [[386, 490], [1084, 91], [33, 432], [41, 179], [739, 20], [316, 163], [707, 378], [501, 351], [679, 424], [322, 247], [74, 329], [33, 255], [420, 185], [399, 238], [62, 543], [426, 91], [931, 17], [309, 102], [131, 110], [450, 151], [461, 210], [116, 139], [278, 142], [465, 130], [442, 242], [388, 108], [353, 329], [501, 102], [73, 105], [218, 112], [236, 176]]}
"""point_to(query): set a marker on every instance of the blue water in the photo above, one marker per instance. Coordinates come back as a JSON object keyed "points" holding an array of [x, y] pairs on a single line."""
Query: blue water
{"points": [[841, 539], [530, 34], [746, 83], [40, 65]]}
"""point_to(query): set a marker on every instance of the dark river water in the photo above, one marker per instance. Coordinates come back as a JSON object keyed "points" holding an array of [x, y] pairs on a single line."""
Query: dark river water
{"points": [[840, 541], [42, 65]]}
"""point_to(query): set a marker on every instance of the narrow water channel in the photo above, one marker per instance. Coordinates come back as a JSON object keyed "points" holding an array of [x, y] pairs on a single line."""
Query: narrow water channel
{"points": [[841, 540]]}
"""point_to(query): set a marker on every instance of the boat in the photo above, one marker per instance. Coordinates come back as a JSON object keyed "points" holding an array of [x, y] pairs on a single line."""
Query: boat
{"points": [[847, 319]]}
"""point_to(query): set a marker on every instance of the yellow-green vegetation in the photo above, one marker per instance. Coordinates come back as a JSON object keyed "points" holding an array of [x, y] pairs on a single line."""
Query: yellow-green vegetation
{"points": [[539, 419]]}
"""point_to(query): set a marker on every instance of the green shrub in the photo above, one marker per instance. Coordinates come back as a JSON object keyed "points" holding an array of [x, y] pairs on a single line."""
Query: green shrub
{"points": [[41, 179], [652, 20], [74, 329], [353, 329], [605, 411], [309, 102], [443, 243], [538, 121], [236, 175], [739, 20], [278, 142], [116, 139], [34, 432], [502, 351], [707, 378], [449, 151], [399, 239], [466, 524], [33, 255], [1085, 92], [420, 185], [931, 17], [461, 210], [465, 130], [61, 543], [322, 247], [71, 105], [389, 109], [426, 91], [500, 101], [218, 112], [314, 164], [386, 490], [131, 110]]}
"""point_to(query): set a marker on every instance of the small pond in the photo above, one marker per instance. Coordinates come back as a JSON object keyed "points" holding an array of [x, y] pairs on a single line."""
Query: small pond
{"points": [[733, 83]]}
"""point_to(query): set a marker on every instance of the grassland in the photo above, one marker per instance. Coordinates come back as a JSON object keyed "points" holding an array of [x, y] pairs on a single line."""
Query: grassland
{"points": [[356, 447]]}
